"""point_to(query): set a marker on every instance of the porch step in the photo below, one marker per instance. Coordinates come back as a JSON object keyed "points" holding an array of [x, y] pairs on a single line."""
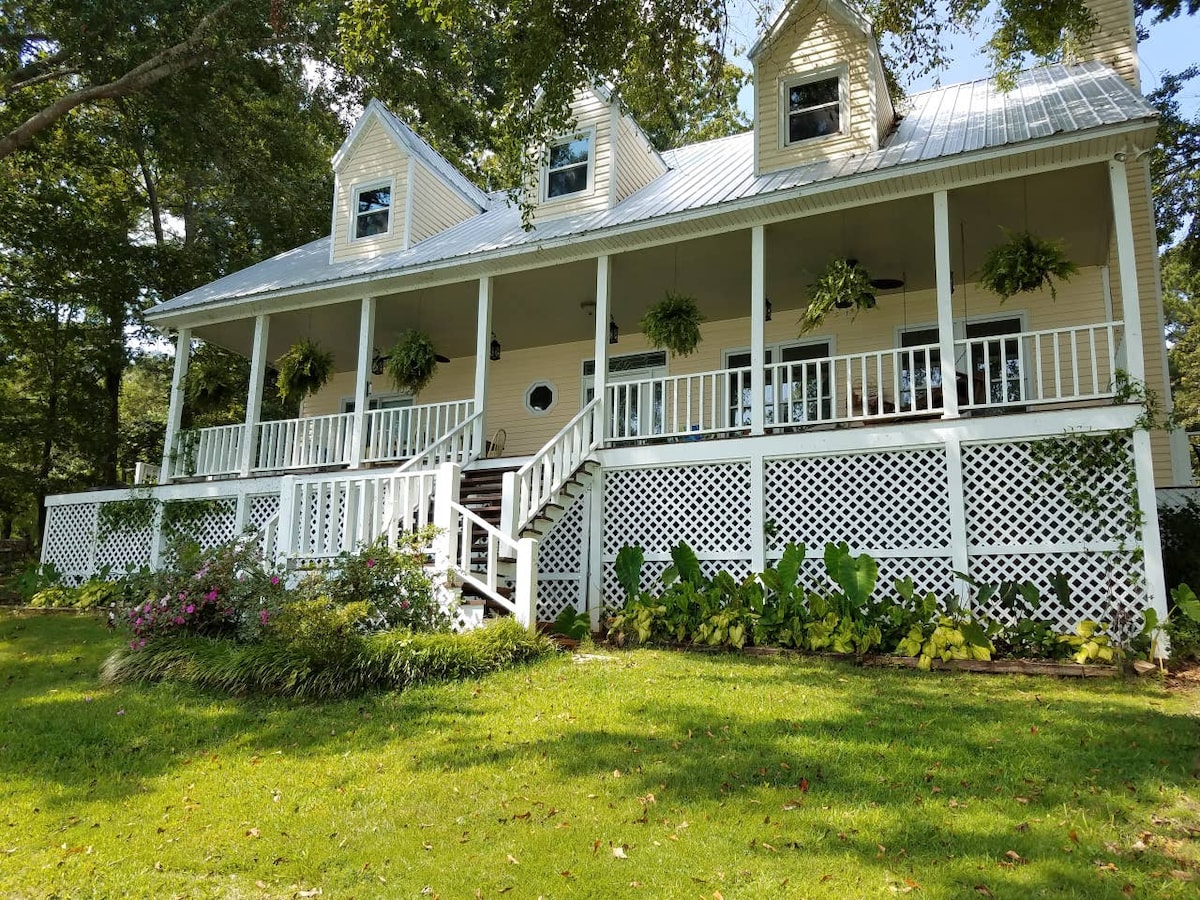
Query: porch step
{"points": [[482, 492], [571, 490]]}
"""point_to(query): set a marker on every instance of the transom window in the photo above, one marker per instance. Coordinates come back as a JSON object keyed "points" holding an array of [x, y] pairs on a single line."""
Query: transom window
{"points": [[814, 108], [567, 170], [372, 210]]}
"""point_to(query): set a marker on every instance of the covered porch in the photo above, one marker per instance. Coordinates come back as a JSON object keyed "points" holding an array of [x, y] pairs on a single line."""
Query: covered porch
{"points": [[529, 351]]}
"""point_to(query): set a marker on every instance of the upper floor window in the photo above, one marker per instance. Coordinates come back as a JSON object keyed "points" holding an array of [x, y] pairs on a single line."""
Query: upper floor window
{"points": [[814, 108], [372, 210], [567, 169]]}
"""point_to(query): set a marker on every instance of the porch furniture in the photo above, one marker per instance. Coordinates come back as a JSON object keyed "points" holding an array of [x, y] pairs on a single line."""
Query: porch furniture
{"points": [[495, 447]]}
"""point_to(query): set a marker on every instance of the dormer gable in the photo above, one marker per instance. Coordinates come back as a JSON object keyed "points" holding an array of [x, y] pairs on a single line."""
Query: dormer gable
{"points": [[819, 86], [602, 160], [392, 190]]}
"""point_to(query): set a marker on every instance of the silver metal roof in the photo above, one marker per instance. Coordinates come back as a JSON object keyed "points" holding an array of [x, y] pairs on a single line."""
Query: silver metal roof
{"points": [[940, 125]]}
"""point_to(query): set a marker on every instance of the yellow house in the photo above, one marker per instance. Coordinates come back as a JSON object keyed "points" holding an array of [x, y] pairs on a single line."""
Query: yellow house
{"points": [[553, 432]]}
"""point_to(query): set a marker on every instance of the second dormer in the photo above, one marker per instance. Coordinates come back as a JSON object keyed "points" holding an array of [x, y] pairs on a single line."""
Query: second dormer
{"points": [[819, 86], [594, 166], [392, 190]]}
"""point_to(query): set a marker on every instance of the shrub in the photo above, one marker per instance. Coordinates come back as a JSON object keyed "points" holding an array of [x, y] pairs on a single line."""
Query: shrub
{"points": [[320, 628], [96, 592], [227, 591], [385, 661], [394, 584]]}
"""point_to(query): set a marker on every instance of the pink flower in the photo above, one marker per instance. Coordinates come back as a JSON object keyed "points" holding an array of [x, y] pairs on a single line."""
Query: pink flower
{"points": [[190, 609], [137, 622], [274, 579], [179, 620], [404, 604], [263, 615], [133, 645], [182, 595], [370, 563], [211, 595]]}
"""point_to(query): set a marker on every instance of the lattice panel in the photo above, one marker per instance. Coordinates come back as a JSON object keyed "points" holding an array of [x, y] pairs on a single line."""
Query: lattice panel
{"points": [[929, 573], [614, 594], [1010, 502], [217, 526], [1101, 587], [70, 532], [125, 550], [706, 505], [260, 509], [562, 562], [890, 500], [557, 594]]}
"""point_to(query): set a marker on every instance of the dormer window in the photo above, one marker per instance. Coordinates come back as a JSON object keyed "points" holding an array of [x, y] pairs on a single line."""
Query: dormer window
{"points": [[372, 210], [812, 107], [567, 171]]}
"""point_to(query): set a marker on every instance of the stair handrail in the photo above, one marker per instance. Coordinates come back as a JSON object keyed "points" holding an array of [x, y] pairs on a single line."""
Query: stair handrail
{"points": [[436, 453], [530, 488]]}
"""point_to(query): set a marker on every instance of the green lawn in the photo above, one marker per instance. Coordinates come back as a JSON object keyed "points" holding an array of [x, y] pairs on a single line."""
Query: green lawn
{"points": [[649, 774]]}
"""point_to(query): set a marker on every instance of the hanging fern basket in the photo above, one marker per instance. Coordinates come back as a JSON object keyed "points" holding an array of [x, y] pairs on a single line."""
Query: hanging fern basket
{"points": [[412, 362], [843, 285], [303, 371], [1025, 263], [673, 324]]}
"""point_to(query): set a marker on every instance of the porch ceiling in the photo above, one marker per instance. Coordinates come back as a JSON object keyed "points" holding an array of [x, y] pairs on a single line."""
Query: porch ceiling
{"points": [[545, 306]]}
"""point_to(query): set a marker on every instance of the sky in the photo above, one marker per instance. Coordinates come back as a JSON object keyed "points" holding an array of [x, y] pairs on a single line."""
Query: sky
{"points": [[1172, 46]]}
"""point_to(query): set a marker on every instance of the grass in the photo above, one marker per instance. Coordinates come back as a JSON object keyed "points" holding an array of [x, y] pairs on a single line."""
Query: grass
{"points": [[648, 774]]}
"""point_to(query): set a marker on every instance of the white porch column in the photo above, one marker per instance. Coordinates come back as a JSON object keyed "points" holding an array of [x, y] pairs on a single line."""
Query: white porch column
{"points": [[758, 340], [366, 341], [600, 379], [483, 333], [1135, 357], [258, 369], [945, 303], [1147, 498], [183, 351]]}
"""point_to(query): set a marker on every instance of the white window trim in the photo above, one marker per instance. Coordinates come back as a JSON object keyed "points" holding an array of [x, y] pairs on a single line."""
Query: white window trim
{"points": [[355, 190], [961, 323], [554, 395], [590, 190], [789, 80], [778, 346], [649, 372], [346, 402]]}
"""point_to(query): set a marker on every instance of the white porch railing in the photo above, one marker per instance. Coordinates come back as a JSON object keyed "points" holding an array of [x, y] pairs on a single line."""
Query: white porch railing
{"points": [[540, 479], [1060, 365], [680, 405], [304, 443], [208, 451], [324, 515], [403, 432], [146, 473]]}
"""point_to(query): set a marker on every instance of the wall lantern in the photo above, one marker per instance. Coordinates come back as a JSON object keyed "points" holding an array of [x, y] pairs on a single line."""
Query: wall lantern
{"points": [[494, 353]]}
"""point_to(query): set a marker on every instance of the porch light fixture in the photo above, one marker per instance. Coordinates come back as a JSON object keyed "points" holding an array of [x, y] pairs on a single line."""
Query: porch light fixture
{"points": [[613, 331], [767, 310], [494, 349]]}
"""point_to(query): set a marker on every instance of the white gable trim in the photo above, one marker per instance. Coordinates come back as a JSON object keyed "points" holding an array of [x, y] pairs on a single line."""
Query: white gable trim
{"points": [[846, 12]]}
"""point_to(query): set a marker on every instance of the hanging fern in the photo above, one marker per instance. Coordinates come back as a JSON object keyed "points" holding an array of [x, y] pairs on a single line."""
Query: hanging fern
{"points": [[1025, 263], [843, 285], [412, 362], [673, 324], [303, 371]]}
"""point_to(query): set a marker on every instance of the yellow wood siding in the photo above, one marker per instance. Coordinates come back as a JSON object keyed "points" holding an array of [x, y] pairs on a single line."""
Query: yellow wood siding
{"points": [[590, 111], [1114, 42], [637, 164], [435, 206], [814, 43], [376, 157], [885, 113]]}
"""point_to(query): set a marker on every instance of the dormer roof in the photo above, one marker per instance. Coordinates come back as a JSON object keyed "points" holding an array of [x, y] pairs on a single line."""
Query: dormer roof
{"points": [[412, 142]]}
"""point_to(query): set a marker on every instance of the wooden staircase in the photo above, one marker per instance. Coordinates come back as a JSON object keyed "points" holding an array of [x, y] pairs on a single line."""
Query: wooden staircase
{"points": [[482, 491], [554, 509]]}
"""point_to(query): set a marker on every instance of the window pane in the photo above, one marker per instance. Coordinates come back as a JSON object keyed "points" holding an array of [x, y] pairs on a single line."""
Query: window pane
{"points": [[371, 223], [566, 181], [802, 96], [376, 198], [569, 153], [814, 123]]}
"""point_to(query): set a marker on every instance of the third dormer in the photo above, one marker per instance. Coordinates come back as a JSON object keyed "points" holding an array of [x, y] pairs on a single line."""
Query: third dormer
{"points": [[819, 86], [392, 190], [603, 159]]}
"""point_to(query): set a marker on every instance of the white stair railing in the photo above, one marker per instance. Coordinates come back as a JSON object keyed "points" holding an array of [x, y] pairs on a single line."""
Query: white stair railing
{"points": [[456, 551], [530, 488]]}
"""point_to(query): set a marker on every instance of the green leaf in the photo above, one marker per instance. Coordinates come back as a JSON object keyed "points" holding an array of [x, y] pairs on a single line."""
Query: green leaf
{"points": [[629, 570], [687, 565]]}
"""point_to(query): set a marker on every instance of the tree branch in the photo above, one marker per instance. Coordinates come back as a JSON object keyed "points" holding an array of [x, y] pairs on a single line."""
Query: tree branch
{"points": [[39, 79], [162, 65]]}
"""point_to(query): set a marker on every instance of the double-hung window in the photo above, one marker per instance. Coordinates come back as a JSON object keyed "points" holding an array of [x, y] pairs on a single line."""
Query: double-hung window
{"points": [[569, 166], [799, 389], [813, 107], [372, 210]]}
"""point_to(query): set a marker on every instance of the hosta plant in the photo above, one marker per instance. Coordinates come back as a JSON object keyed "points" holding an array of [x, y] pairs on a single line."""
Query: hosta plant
{"points": [[1025, 263]]}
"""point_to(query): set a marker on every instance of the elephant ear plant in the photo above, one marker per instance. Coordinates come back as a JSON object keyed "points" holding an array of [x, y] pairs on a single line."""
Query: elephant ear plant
{"points": [[1025, 263]]}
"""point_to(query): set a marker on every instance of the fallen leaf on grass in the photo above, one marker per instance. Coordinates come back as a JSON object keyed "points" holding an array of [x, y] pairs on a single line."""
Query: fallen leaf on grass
{"points": [[982, 889], [619, 853], [825, 878], [252, 832], [512, 859], [1016, 857], [1182, 875]]}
